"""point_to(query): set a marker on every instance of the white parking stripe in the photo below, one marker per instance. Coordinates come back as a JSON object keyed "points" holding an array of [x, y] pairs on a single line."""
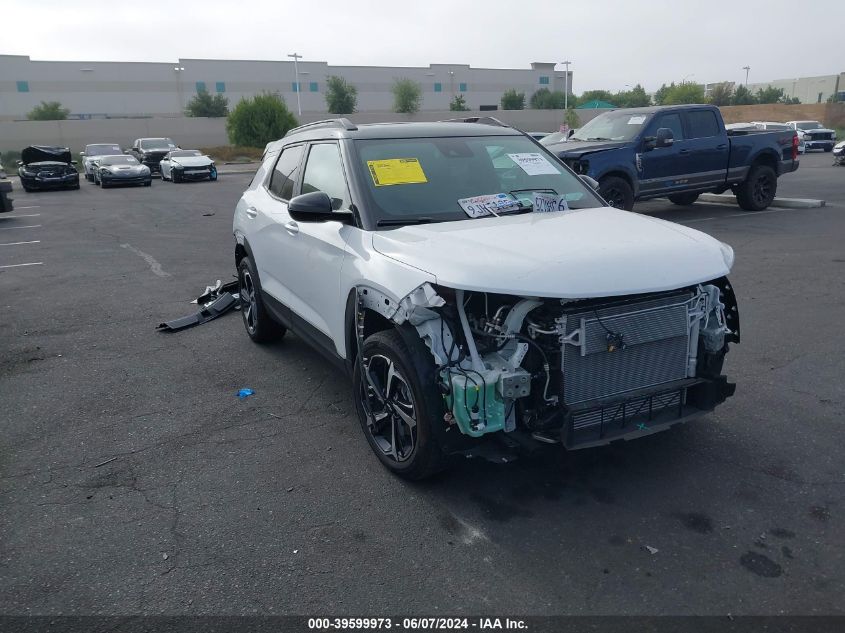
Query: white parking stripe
{"points": [[29, 264], [36, 207], [16, 243], [9, 228], [21, 215], [746, 214]]}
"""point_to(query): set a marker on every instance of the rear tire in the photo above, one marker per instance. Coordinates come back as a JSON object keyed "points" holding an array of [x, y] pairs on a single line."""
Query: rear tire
{"points": [[258, 323], [758, 190], [617, 192], [683, 199], [404, 369]]}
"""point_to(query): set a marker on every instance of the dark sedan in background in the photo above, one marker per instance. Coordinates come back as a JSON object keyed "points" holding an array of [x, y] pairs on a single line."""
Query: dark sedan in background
{"points": [[47, 167], [120, 170]]}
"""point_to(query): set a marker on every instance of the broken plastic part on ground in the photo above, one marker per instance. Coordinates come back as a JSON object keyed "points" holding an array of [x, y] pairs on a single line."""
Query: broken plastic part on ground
{"points": [[215, 300]]}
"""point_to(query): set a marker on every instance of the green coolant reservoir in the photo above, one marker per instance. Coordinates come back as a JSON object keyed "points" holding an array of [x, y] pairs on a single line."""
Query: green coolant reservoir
{"points": [[476, 404]]}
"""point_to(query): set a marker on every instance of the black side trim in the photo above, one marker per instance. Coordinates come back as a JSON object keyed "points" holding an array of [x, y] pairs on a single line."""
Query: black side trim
{"points": [[307, 332]]}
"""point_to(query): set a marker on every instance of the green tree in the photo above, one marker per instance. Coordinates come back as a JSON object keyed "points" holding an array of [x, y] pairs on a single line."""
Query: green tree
{"points": [[407, 96], [743, 96], [256, 121], [203, 104], [685, 92], [458, 104], [571, 119], [660, 94], [596, 95], [770, 94], [636, 97], [545, 99], [48, 111], [341, 96], [721, 94], [793, 100], [513, 100]]}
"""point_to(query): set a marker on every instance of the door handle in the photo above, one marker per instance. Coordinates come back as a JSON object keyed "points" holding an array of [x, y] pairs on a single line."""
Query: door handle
{"points": [[292, 227], [251, 212]]}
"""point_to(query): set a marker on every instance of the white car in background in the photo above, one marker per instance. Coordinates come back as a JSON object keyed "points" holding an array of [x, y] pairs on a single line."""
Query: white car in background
{"points": [[187, 164], [94, 151], [814, 135], [773, 125]]}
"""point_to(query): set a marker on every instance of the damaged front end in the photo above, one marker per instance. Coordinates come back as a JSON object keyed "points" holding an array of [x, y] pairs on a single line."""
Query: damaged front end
{"points": [[579, 372]]}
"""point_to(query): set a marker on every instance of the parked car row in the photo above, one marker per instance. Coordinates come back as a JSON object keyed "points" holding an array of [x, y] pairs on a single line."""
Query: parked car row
{"points": [[811, 134], [106, 164]]}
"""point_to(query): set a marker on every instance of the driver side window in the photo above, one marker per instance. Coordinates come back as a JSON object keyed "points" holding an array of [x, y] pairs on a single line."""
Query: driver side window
{"points": [[324, 172], [673, 122]]}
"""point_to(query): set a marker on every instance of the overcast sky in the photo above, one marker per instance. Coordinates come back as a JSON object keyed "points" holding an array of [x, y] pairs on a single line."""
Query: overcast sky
{"points": [[610, 42]]}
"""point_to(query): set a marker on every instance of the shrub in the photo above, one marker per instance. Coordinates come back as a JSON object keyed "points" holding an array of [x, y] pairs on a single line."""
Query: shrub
{"points": [[48, 111], [256, 121], [341, 96], [513, 100], [407, 95], [458, 104], [203, 104]]}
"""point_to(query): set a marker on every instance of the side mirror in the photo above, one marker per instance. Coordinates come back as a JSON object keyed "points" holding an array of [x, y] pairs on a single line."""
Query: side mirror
{"points": [[590, 182], [19, 162], [127, 151], [73, 162], [665, 138], [571, 133], [82, 153], [316, 207]]}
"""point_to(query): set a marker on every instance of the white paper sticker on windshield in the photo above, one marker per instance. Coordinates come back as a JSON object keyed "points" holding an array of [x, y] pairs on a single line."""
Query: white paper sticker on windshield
{"points": [[479, 206], [637, 120], [548, 202], [533, 163]]}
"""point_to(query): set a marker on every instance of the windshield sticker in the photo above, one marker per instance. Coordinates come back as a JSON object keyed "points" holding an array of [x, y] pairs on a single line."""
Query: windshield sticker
{"points": [[396, 171], [637, 120], [547, 202], [493, 204], [533, 163]]}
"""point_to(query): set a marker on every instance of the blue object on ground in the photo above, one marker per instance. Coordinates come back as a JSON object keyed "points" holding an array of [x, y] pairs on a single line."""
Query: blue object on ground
{"points": [[244, 393]]}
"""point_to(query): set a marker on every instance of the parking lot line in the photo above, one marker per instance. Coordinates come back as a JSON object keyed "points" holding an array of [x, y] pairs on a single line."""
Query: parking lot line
{"points": [[745, 214], [35, 207], [17, 265], [9, 228], [16, 243], [21, 215]]}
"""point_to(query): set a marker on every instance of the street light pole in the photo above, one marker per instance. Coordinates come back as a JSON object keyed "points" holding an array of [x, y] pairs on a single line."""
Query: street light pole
{"points": [[296, 58], [566, 86], [746, 69]]}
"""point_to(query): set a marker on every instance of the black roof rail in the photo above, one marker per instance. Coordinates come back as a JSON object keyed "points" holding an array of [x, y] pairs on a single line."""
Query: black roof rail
{"points": [[346, 124], [483, 120]]}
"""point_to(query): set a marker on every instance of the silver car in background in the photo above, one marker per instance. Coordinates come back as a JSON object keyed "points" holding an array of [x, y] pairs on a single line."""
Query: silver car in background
{"points": [[94, 151], [179, 165]]}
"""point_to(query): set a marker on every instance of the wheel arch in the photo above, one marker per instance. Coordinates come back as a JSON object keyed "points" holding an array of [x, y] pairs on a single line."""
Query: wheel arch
{"points": [[624, 175]]}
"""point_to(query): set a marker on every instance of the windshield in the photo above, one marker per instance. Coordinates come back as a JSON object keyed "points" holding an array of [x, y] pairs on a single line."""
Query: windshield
{"points": [[621, 125], [445, 179], [809, 125], [101, 150], [185, 152], [551, 139], [119, 160], [157, 143]]}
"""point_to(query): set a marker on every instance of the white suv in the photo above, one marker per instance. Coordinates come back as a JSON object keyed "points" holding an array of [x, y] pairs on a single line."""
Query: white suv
{"points": [[478, 291]]}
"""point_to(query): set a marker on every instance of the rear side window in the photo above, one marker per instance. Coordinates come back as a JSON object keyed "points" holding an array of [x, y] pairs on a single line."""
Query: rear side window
{"points": [[285, 172], [324, 172], [702, 124], [673, 122]]}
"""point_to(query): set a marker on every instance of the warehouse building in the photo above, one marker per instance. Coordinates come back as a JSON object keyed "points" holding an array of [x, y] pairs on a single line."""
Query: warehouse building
{"points": [[121, 89]]}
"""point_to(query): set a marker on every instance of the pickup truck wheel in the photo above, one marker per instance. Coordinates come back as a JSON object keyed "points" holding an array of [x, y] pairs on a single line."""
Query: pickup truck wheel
{"points": [[683, 199], [258, 323], [617, 192], [400, 429], [759, 189]]}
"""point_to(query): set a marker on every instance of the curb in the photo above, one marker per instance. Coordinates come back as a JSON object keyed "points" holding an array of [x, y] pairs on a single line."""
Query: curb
{"points": [[783, 203]]}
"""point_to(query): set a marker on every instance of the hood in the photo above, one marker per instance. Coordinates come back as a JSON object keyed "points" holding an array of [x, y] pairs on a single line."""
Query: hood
{"points": [[191, 161], [576, 149], [124, 168], [44, 154], [572, 254]]}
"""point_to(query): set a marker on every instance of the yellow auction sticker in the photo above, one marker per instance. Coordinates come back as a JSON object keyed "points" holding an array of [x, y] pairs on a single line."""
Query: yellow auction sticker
{"points": [[396, 171]]}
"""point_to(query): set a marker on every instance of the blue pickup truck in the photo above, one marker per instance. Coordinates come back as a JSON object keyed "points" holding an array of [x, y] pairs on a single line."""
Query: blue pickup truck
{"points": [[677, 152]]}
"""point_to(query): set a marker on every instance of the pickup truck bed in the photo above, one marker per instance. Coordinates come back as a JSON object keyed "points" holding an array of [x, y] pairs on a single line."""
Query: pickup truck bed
{"points": [[678, 152]]}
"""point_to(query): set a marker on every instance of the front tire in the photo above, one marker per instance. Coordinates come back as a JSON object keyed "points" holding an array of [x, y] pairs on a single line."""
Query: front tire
{"points": [[258, 323], [758, 191], [174, 176], [617, 192], [405, 432], [828, 149], [683, 199]]}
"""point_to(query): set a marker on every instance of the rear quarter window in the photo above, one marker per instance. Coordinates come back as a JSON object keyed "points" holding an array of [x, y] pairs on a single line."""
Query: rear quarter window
{"points": [[702, 124]]}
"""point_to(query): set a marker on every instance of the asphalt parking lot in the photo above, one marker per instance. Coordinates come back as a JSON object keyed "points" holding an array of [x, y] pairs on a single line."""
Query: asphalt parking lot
{"points": [[133, 480]]}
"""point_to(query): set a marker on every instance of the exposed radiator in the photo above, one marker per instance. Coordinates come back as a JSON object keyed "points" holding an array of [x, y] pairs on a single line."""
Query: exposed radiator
{"points": [[656, 336]]}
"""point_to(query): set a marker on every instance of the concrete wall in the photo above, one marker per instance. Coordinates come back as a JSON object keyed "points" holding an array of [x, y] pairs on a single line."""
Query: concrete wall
{"points": [[198, 132], [830, 114], [164, 89]]}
